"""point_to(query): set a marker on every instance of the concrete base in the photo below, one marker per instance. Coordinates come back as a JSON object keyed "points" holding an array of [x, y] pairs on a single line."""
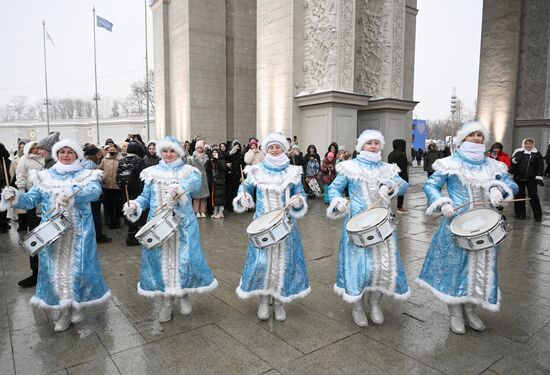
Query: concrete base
{"points": [[536, 129]]}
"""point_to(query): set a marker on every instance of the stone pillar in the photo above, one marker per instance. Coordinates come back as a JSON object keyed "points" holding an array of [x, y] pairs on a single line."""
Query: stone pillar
{"points": [[161, 54]]}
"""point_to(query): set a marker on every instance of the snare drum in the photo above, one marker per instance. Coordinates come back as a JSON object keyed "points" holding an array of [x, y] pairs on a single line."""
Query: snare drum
{"points": [[269, 229], [370, 227], [45, 234], [158, 229], [478, 229]]}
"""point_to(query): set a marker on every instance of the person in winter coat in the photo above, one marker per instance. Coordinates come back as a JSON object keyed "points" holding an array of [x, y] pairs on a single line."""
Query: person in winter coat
{"points": [[112, 199], [15, 162], [431, 156], [333, 147], [151, 157], [419, 155], [328, 173], [547, 159], [234, 162], [127, 178], [496, 153], [45, 148], [254, 155], [5, 162], [198, 160], [70, 277], [312, 168], [399, 157], [215, 169], [295, 156], [177, 267], [527, 168]]}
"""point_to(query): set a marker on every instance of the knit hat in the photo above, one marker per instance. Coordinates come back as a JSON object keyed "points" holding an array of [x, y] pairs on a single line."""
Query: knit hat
{"points": [[67, 143], [253, 142], [90, 150], [369, 135], [172, 143], [277, 138], [468, 128], [48, 142], [199, 144]]}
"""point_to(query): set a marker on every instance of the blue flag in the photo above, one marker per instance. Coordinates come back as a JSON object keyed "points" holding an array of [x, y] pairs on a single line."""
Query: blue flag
{"points": [[102, 22]]}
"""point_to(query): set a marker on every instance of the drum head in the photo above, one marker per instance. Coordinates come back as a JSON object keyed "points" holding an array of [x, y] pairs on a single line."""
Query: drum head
{"points": [[152, 222], [264, 222], [474, 222], [367, 219]]}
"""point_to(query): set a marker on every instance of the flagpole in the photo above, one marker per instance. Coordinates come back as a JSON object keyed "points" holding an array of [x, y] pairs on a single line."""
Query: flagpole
{"points": [[47, 102], [96, 97], [147, 74]]}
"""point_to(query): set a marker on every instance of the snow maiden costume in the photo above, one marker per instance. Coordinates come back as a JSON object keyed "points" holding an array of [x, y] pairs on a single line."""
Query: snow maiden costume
{"points": [[460, 278], [69, 276], [377, 269], [177, 267], [280, 270]]}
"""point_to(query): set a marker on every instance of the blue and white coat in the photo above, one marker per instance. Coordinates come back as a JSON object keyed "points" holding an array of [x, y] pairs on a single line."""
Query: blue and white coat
{"points": [[452, 274], [177, 267], [377, 268], [279, 271], [69, 272]]}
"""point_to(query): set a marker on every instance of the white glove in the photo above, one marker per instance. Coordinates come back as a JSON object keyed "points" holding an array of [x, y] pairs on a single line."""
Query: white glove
{"points": [[175, 190], [495, 196], [295, 202], [245, 201], [63, 199], [384, 193], [447, 210], [342, 206], [129, 209], [9, 193]]}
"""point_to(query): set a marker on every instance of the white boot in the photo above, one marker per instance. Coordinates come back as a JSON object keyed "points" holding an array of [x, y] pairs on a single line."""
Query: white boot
{"points": [[220, 214], [376, 314], [358, 314], [165, 314], [263, 308], [185, 305], [457, 321], [279, 310], [215, 214], [64, 321], [78, 315], [472, 319]]}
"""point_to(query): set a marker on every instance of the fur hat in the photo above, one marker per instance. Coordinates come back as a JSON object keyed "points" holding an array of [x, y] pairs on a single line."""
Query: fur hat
{"points": [[170, 142], [368, 135], [48, 142], [276, 138], [67, 143], [468, 128]]}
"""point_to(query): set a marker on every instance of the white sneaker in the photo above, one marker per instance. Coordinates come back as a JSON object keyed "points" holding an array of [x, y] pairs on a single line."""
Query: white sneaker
{"points": [[358, 314], [185, 305], [78, 315], [63, 323], [376, 314], [198, 215], [203, 215], [279, 311], [472, 319], [263, 308]]}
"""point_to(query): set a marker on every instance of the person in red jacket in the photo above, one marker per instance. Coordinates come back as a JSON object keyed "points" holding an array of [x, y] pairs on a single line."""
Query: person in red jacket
{"points": [[328, 173], [496, 153]]}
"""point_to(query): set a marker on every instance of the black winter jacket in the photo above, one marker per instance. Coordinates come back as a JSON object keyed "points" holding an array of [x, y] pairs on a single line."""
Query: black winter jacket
{"points": [[526, 167], [398, 156], [129, 169]]}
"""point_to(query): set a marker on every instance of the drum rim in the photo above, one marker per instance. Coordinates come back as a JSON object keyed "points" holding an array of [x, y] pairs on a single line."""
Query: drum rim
{"points": [[477, 234], [248, 232], [386, 218]]}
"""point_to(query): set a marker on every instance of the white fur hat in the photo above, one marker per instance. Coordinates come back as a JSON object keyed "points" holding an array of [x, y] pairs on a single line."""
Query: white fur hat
{"points": [[277, 138], [70, 144], [169, 142], [368, 135], [467, 129]]}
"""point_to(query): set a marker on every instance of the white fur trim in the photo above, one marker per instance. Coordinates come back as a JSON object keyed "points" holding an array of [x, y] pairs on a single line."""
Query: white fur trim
{"points": [[477, 177], [539, 178], [73, 145], [353, 170], [277, 138], [298, 213], [5, 205], [135, 217], [503, 189], [450, 300], [177, 292], [45, 182], [259, 175], [341, 292], [437, 204], [28, 147], [170, 176], [169, 142], [238, 207], [38, 302], [255, 293], [368, 135], [332, 212], [468, 128]]}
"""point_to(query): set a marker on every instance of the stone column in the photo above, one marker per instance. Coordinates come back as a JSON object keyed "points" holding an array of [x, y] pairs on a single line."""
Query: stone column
{"points": [[161, 53]]}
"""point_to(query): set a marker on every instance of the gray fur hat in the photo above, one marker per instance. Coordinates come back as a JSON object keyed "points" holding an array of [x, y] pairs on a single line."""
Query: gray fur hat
{"points": [[48, 142]]}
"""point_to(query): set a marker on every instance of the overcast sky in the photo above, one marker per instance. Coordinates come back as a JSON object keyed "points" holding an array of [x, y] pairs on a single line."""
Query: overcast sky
{"points": [[447, 50]]}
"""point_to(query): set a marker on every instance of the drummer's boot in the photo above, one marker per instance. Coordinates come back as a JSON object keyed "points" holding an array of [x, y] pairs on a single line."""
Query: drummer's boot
{"points": [[78, 315], [185, 305], [263, 308], [279, 310], [376, 314], [457, 321], [220, 213], [165, 314], [472, 319], [64, 321], [358, 313]]}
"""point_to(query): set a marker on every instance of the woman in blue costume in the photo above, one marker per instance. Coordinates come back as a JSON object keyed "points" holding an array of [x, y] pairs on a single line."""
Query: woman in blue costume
{"points": [[464, 279], [280, 270], [375, 269], [69, 276], [176, 268]]}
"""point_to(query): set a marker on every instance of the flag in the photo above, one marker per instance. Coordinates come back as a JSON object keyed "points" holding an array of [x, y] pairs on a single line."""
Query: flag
{"points": [[102, 22], [50, 38]]}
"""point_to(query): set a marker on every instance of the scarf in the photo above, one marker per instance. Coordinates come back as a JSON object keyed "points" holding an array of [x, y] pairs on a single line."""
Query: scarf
{"points": [[277, 161], [67, 168], [173, 164], [374, 157], [473, 151]]}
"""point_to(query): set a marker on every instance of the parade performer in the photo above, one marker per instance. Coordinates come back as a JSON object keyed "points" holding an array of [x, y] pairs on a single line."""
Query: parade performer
{"points": [[377, 269], [463, 279], [177, 268], [278, 271], [69, 276]]}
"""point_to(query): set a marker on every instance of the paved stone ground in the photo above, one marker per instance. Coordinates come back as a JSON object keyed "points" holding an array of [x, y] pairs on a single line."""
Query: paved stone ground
{"points": [[223, 335]]}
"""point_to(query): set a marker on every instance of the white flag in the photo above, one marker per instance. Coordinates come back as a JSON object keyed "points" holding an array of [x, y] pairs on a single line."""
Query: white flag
{"points": [[50, 38]]}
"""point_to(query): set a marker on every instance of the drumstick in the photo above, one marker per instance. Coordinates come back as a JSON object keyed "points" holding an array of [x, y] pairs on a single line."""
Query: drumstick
{"points": [[127, 196], [166, 204], [488, 202], [66, 199], [379, 199], [6, 172]]}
